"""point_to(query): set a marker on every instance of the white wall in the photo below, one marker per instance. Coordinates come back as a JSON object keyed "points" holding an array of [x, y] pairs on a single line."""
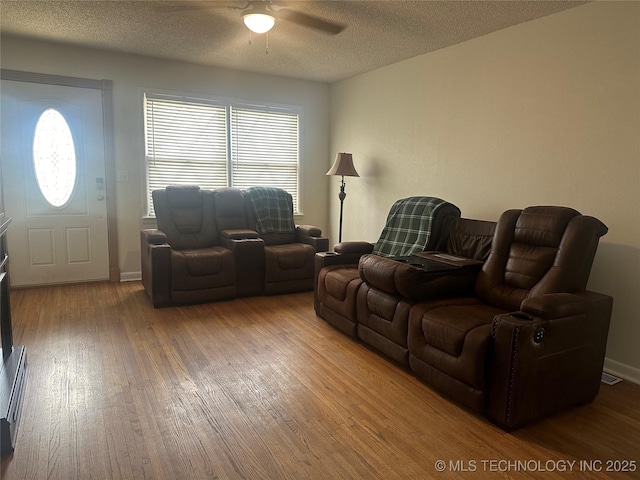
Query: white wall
{"points": [[130, 74], [543, 113]]}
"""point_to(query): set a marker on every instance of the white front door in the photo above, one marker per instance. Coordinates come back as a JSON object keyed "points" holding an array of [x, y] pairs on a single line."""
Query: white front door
{"points": [[53, 168]]}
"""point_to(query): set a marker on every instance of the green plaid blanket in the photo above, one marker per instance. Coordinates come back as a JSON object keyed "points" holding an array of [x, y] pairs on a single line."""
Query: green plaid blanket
{"points": [[273, 208], [408, 226]]}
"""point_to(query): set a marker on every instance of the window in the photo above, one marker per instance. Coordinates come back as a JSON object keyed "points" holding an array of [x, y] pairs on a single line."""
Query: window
{"points": [[54, 158], [213, 144]]}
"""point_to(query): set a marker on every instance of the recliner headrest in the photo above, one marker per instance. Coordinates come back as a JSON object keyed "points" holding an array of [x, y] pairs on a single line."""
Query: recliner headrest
{"points": [[543, 226], [184, 196]]}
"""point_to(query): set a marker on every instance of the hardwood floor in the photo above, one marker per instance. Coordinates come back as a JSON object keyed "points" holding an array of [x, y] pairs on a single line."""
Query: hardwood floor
{"points": [[260, 388]]}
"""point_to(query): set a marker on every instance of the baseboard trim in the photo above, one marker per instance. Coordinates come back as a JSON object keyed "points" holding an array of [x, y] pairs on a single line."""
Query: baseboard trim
{"points": [[622, 370], [130, 276]]}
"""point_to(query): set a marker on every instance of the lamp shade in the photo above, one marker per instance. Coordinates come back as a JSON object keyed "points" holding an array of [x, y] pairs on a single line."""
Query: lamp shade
{"points": [[343, 165]]}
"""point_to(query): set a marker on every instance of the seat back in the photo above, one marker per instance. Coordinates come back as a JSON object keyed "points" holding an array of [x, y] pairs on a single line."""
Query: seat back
{"points": [[538, 250], [230, 209], [270, 213], [471, 238], [416, 224], [187, 215]]}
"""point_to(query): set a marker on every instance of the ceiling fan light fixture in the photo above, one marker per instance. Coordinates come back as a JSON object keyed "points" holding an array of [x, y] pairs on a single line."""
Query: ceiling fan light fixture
{"points": [[259, 22]]}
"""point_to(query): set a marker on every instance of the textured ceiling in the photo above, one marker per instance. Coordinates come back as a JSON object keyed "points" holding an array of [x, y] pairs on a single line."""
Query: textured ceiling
{"points": [[377, 33]]}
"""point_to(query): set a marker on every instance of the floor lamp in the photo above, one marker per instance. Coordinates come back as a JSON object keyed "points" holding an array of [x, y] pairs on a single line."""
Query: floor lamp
{"points": [[343, 166]]}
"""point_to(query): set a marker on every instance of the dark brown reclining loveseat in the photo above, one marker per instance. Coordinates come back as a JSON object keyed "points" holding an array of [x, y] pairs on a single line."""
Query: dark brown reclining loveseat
{"points": [[218, 244], [524, 339]]}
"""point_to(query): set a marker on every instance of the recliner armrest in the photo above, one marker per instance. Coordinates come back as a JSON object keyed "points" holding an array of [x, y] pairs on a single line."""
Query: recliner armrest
{"points": [[345, 253], [308, 230], [255, 245], [354, 247], [555, 305], [547, 357], [155, 256], [312, 236], [325, 259], [239, 234], [153, 236]]}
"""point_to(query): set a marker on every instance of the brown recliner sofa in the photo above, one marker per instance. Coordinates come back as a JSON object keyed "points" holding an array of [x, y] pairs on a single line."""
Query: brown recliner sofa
{"points": [[531, 340], [206, 248], [519, 339], [413, 224]]}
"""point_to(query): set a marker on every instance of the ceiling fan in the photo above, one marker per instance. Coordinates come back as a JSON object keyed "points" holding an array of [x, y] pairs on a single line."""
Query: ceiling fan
{"points": [[260, 16]]}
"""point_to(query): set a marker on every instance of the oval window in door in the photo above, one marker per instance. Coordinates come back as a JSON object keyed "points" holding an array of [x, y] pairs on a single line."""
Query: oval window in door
{"points": [[54, 158]]}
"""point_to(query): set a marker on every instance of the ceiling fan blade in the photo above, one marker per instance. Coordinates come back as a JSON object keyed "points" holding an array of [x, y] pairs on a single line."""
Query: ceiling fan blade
{"points": [[309, 21]]}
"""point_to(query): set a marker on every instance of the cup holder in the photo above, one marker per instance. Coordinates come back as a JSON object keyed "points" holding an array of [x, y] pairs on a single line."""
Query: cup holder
{"points": [[521, 316]]}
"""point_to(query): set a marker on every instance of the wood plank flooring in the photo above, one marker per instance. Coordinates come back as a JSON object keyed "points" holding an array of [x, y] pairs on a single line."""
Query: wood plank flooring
{"points": [[260, 388]]}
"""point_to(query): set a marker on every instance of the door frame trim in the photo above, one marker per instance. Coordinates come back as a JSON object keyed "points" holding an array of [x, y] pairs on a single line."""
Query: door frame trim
{"points": [[106, 88]]}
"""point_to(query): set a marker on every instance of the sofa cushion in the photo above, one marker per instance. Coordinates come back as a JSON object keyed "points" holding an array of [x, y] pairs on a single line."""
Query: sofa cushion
{"points": [[471, 238], [384, 314], [293, 261], [543, 226], [377, 304], [206, 261], [279, 238], [337, 279], [211, 267], [230, 209], [184, 196], [186, 208], [292, 256], [538, 250], [186, 215], [463, 377], [446, 328], [458, 355], [337, 288], [527, 264]]}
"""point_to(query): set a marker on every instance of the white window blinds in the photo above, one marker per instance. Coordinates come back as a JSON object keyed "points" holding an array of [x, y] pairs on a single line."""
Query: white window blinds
{"points": [[264, 149], [199, 142]]}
